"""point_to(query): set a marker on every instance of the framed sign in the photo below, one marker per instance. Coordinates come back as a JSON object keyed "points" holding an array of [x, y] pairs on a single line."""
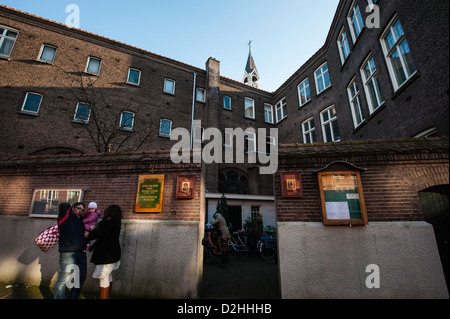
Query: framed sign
{"points": [[291, 185], [342, 198], [185, 186], [150, 194]]}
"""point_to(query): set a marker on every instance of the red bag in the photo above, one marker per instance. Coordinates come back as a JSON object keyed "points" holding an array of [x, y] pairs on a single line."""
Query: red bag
{"points": [[48, 238]]}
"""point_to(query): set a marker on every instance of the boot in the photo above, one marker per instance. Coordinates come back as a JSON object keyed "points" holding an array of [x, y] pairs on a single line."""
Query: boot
{"points": [[104, 293]]}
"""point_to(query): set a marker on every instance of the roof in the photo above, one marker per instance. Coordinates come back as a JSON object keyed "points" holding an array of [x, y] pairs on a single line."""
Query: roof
{"points": [[251, 66]]}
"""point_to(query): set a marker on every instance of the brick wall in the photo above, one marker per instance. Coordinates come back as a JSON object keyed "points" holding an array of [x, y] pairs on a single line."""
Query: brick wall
{"points": [[106, 178], [396, 170]]}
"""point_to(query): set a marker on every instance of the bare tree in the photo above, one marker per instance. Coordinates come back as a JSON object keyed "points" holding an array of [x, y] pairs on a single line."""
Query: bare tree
{"points": [[108, 120]]}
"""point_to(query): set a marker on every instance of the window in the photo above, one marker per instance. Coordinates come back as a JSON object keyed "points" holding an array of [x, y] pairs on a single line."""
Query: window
{"points": [[227, 102], [228, 139], [270, 143], [7, 39], [165, 128], [397, 54], [304, 95], [93, 65], [46, 202], [249, 108], [309, 131], [371, 85], [250, 142], [200, 95], [322, 77], [126, 121], [134, 76], [342, 198], [344, 48], [169, 86], [281, 110], [82, 113], [355, 103], [255, 214], [355, 21], [199, 134], [32, 103], [268, 113], [47, 53], [330, 129]]}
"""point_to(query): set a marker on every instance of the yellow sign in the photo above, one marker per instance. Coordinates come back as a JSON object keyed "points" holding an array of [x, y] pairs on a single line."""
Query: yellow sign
{"points": [[150, 194]]}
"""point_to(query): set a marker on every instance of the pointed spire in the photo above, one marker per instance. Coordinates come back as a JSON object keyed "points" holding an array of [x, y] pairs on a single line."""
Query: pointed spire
{"points": [[251, 76]]}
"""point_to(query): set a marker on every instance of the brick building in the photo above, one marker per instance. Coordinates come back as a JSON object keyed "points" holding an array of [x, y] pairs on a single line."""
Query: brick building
{"points": [[380, 74]]}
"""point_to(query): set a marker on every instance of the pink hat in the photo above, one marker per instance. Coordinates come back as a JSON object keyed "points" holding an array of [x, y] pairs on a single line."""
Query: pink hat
{"points": [[92, 205]]}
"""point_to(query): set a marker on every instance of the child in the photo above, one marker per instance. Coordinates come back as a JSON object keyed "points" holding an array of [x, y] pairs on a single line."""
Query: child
{"points": [[90, 218]]}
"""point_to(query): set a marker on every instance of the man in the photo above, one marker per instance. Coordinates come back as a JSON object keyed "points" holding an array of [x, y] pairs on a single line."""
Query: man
{"points": [[72, 255]]}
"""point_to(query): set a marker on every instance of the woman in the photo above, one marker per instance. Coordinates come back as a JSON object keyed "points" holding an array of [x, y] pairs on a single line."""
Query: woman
{"points": [[106, 249]]}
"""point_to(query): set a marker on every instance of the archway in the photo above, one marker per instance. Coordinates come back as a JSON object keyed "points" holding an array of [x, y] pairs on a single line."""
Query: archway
{"points": [[435, 207]]}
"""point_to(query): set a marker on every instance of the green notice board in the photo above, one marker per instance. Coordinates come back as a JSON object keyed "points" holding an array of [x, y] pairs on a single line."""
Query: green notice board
{"points": [[150, 193]]}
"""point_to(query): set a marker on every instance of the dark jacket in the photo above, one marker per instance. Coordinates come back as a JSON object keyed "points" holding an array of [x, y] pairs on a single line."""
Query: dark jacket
{"points": [[71, 236], [106, 249]]}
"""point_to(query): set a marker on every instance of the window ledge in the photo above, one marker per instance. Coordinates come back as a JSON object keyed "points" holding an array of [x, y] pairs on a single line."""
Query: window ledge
{"points": [[28, 113], [406, 85]]}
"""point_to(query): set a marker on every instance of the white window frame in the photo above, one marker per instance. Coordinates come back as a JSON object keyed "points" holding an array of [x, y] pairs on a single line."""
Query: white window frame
{"points": [[202, 134], [200, 95], [249, 104], [355, 11], [281, 106], [310, 132], [354, 98], [75, 119], [51, 195], [228, 139], [25, 102], [89, 61], [139, 77], [396, 49], [4, 37], [270, 140], [42, 51], [329, 121], [343, 46], [250, 140], [127, 127], [321, 77], [372, 81], [166, 89], [268, 113], [303, 88], [224, 99], [170, 128]]}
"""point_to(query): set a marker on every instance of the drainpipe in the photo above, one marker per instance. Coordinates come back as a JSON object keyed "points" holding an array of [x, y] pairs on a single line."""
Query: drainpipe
{"points": [[193, 110]]}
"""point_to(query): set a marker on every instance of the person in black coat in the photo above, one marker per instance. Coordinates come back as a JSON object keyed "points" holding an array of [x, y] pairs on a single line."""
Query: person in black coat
{"points": [[106, 249], [71, 251]]}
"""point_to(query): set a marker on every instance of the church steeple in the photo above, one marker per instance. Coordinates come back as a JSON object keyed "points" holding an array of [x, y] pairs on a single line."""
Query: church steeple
{"points": [[251, 76]]}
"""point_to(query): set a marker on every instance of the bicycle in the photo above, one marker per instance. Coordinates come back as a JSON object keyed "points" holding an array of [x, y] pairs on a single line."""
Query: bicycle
{"points": [[212, 244], [242, 245], [267, 248]]}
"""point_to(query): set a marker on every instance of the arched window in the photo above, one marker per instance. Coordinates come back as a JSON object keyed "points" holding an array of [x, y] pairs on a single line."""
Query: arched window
{"points": [[232, 182]]}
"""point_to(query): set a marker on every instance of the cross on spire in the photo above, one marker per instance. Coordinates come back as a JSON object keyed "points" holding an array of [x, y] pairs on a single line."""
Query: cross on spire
{"points": [[249, 46]]}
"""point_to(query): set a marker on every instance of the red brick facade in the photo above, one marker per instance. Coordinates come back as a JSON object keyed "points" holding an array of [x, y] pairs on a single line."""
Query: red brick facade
{"points": [[107, 179], [394, 172]]}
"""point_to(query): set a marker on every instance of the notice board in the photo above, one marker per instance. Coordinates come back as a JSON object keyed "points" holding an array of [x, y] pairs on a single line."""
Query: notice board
{"points": [[150, 194], [342, 198]]}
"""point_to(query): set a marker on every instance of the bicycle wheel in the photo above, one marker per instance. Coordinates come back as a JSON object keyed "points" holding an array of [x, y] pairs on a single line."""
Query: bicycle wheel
{"points": [[268, 254], [251, 252]]}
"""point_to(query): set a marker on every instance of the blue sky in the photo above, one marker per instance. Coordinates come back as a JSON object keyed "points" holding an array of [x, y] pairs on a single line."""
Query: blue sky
{"points": [[284, 33]]}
